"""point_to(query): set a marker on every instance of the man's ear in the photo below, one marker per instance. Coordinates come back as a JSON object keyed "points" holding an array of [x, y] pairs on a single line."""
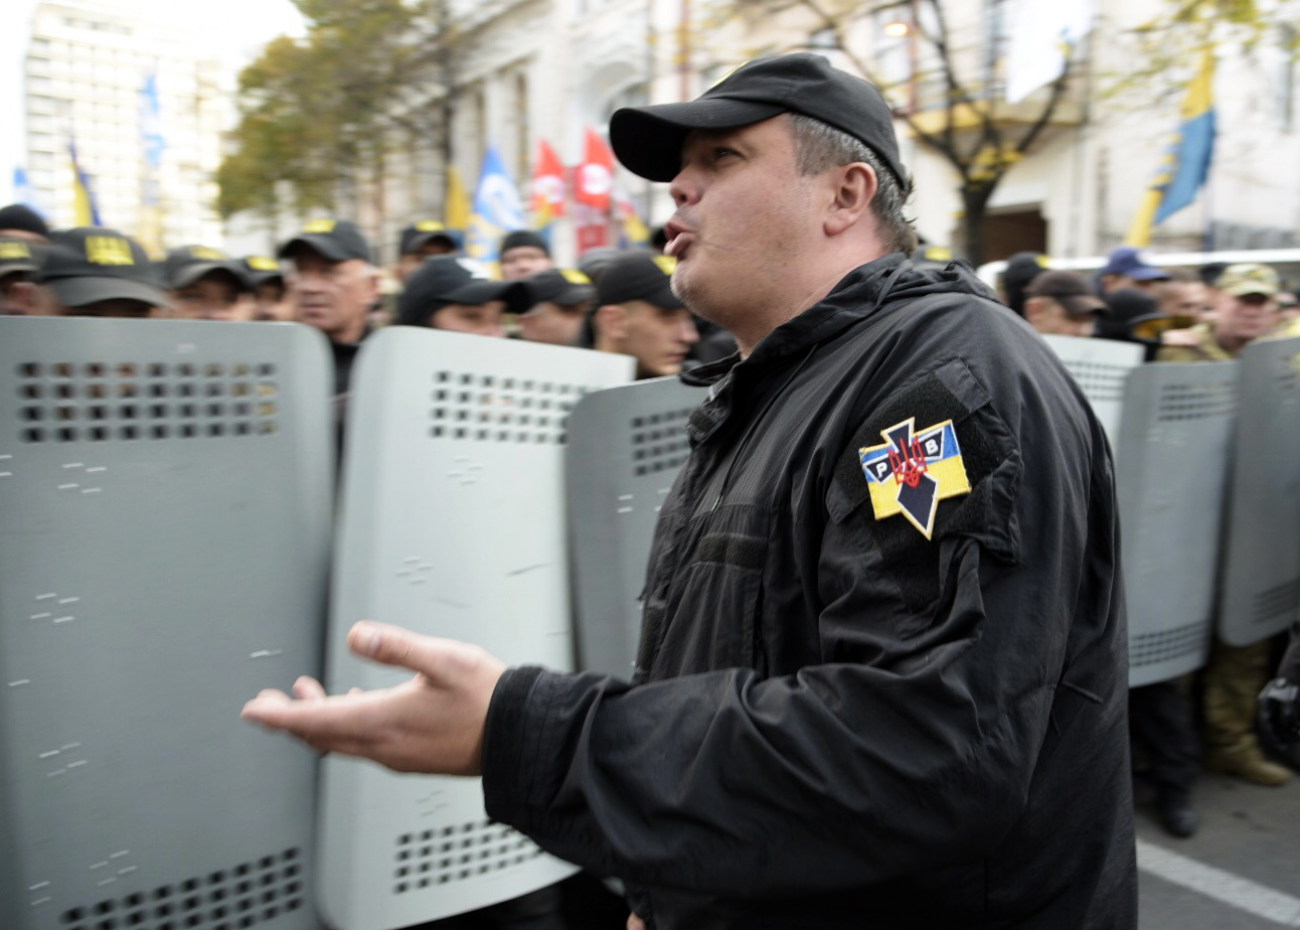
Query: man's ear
{"points": [[611, 325], [854, 188]]}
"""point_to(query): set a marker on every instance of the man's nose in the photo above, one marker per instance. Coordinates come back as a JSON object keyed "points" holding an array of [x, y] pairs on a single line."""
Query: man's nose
{"points": [[684, 188]]}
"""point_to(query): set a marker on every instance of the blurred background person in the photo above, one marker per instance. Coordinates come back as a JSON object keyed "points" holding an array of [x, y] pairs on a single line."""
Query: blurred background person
{"points": [[1126, 268], [271, 301], [523, 253], [1021, 269], [1183, 297], [638, 314], [18, 221], [94, 271], [421, 240], [205, 284], [553, 304], [1131, 312], [446, 293], [21, 292], [1061, 303]]}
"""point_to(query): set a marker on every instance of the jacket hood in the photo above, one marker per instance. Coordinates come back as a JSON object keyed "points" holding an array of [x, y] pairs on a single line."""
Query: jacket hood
{"points": [[860, 295]]}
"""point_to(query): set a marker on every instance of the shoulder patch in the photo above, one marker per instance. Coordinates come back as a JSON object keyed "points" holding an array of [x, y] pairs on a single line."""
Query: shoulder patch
{"points": [[911, 472]]}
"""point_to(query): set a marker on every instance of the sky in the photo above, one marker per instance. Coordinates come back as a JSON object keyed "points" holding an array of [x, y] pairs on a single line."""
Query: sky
{"points": [[237, 31]]}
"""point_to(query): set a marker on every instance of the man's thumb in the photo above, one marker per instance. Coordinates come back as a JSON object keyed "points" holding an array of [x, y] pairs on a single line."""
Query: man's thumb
{"points": [[381, 642]]}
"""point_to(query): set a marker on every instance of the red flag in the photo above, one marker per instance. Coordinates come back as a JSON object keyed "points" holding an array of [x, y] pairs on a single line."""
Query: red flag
{"points": [[548, 185], [595, 174]]}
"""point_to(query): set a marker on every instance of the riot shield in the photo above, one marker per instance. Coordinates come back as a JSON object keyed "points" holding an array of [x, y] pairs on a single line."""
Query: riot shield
{"points": [[626, 447], [452, 524], [1171, 469], [1100, 367], [165, 498], [1260, 585]]}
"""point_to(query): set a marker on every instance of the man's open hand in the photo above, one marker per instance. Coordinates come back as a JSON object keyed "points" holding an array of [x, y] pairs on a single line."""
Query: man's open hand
{"points": [[433, 723]]}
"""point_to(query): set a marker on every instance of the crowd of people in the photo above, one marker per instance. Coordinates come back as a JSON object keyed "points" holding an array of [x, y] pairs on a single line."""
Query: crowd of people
{"points": [[882, 677]]}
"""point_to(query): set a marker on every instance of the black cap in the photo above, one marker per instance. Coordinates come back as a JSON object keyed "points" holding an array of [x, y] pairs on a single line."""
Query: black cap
{"points": [[563, 286], [521, 238], [21, 216], [90, 263], [185, 265], [638, 276], [594, 261], [18, 256], [446, 279], [648, 140], [1069, 289], [1021, 269], [420, 232], [262, 269], [335, 240]]}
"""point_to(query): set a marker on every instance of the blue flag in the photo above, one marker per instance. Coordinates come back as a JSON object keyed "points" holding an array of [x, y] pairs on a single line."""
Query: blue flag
{"points": [[497, 210]]}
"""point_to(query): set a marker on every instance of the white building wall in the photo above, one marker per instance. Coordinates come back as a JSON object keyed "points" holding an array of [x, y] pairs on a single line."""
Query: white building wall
{"points": [[85, 68]]}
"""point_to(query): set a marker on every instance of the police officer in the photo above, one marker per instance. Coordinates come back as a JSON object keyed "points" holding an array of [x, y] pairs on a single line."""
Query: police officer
{"points": [[882, 673], [94, 271], [638, 314], [206, 284]]}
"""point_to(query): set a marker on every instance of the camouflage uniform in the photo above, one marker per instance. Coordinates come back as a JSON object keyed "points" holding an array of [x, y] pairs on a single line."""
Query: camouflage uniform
{"points": [[1234, 675]]}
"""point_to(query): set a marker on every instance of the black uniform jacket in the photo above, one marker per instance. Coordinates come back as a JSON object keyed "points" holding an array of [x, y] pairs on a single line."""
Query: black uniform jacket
{"points": [[850, 711]]}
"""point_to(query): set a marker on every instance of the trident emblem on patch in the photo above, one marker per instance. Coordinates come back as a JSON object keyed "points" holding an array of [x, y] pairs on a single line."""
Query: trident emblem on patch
{"points": [[911, 472]]}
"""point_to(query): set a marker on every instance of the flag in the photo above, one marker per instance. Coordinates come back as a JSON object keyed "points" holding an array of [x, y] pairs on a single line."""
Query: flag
{"points": [[1186, 162], [24, 192], [632, 232], [85, 212], [595, 174], [497, 210], [592, 192], [456, 209], [548, 186]]}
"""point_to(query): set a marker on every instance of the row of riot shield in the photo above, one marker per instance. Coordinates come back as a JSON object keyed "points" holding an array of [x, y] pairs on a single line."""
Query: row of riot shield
{"points": [[1207, 459], [173, 539]]}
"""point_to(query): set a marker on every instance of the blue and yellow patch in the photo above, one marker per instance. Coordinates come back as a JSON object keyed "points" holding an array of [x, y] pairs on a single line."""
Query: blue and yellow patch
{"points": [[911, 472]]}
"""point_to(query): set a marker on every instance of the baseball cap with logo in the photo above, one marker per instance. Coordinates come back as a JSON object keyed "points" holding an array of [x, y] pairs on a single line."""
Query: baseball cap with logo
{"points": [[187, 264], [1070, 290], [335, 240], [567, 287], [1241, 280], [262, 269], [638, 276], [648, 140], [90, 263], [17, 256], [446, 279], [415, 236]]}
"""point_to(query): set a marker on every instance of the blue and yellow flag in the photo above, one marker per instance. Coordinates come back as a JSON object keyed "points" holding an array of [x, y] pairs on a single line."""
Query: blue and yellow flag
{"points": [[497, 210], [1186, 163]]}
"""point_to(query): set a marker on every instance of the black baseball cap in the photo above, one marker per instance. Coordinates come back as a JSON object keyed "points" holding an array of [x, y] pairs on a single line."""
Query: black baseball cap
{"points": [[18, 256], [187, 264], [638, 276], [446, 279], [567, 287], [420, 232], [22, 217], [262, 269], [523, 238], [90, 263], [335, 240], [648, 140], [1069, 289]]}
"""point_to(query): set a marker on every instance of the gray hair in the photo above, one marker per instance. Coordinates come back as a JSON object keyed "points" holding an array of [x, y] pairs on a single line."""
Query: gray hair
{"points": [[818, 147]]}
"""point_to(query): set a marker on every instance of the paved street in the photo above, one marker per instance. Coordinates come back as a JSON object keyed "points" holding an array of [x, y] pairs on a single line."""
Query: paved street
{"points": [[1240, 872]]}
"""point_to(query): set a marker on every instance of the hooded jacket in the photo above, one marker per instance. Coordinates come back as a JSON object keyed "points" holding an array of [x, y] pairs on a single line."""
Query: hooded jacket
{"points": [[883, 667]]}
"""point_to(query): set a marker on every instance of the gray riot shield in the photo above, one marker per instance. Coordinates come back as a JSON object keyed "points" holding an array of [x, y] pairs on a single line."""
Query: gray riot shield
{"points": [[452, 524], [626, 447], [165, 511], [1171, 469], [1260, 586], [1100, 367]]}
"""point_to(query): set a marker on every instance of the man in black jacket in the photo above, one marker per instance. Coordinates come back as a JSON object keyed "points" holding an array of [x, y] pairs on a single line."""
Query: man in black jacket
{"points": [[883, 671]]}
